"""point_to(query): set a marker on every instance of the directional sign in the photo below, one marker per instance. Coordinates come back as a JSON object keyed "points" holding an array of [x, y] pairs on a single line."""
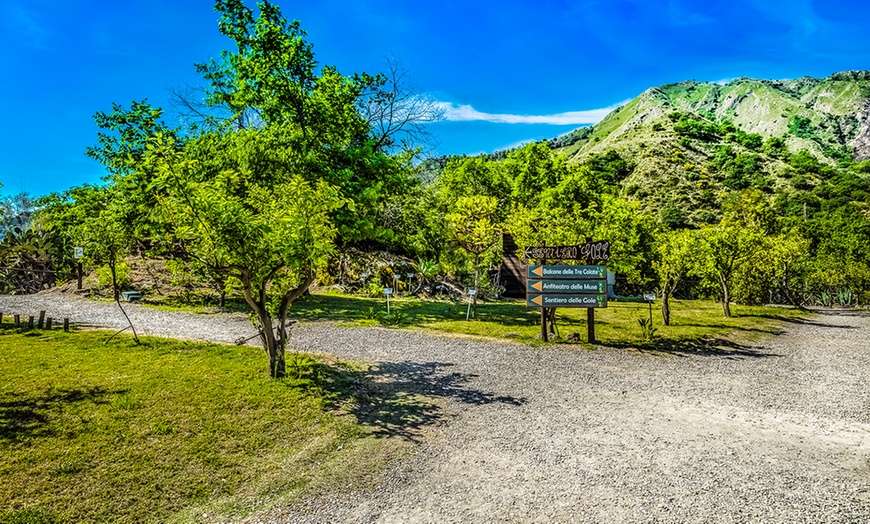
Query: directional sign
{"points": [[576, 272], [567, 286], [78, 252], [560, 300]]}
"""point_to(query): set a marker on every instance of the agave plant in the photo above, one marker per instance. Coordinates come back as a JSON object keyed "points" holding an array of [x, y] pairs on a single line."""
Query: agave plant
{"points": [[29, 259], [844, 297], [428, 271]]}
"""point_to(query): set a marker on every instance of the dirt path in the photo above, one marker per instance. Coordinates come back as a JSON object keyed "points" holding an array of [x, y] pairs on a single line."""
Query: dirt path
{"points": [[778, 432]]}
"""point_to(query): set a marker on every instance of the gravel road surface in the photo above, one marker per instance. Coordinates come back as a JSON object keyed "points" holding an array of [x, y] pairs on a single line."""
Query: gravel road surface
{"points": [[774, 432]]}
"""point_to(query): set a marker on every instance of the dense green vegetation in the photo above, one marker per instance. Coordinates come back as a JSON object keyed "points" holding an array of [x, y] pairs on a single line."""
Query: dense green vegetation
{"points": [[746, 193], [167, 431]]}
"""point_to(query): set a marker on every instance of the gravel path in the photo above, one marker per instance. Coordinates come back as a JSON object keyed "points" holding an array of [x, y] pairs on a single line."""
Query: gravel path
{"points": [[778, 432]]}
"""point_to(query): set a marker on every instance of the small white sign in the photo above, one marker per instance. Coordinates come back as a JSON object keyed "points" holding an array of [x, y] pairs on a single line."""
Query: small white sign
{"points": [[649, 296], [397, 277], [472, 292], [78, 252], [388, 291], [410, 275]]}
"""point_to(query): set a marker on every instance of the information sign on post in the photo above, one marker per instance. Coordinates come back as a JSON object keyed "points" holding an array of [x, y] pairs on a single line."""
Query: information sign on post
{"points": [[565, 300], [471, 293], [567, 286], [387, 292], [578, 272], [78, 253]]}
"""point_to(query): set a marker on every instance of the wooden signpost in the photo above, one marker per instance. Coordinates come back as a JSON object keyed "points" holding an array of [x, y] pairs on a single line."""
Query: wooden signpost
{"points": [[78, 253], [551, 286]]}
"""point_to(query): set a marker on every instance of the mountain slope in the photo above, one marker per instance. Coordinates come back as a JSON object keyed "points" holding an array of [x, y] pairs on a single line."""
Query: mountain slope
{"points": [[692, 144], [819, 115]]}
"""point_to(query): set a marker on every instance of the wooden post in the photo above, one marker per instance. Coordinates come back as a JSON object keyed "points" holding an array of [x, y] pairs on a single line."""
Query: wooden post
{"points": [[544, 334], [30, 322], [41, 319], [48, 323], [17, 320], [590, 324], [1, 317], [66, 324], [79, 275]]}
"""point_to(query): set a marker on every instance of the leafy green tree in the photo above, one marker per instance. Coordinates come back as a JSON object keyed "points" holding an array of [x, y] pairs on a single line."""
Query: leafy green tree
{"points": [[532, 169], [724, 249], [244, 219], [272, 79], [675, 257], [472, 227], [784, 254], [466, 176], [106, 236]]}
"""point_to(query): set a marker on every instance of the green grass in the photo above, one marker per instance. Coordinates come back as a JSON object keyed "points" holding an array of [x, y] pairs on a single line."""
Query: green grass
{"points": [[693, 321], [168, 431]]}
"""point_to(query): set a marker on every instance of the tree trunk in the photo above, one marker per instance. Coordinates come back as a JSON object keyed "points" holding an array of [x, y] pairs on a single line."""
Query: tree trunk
{"points": [[666, 307], [271, 344], [476, 277], [118, 300], [726, 297], [115, 289]]}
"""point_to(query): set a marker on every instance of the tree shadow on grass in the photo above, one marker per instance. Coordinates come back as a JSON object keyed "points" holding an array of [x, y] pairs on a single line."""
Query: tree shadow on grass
{"points": [[396, 398], [706, 347], [354, 308], [23, 416]]}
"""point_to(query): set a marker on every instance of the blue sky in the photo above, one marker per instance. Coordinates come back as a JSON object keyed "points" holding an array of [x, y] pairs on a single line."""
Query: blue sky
{"points": [[508, 72]]}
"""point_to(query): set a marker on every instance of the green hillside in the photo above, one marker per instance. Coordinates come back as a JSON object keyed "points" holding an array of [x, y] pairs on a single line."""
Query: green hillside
{"points": [[821, 115], [691, 144]]}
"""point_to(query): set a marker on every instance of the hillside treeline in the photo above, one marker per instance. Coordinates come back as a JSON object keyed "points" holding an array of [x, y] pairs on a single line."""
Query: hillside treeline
{"points": [[282, 166]]}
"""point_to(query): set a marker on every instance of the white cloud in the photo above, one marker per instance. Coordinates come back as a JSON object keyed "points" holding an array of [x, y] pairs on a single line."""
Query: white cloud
{"points": [[466, 113]]}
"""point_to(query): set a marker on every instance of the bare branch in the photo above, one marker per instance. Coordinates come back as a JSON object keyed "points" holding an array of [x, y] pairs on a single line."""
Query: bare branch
{"points": [[397, 113]]}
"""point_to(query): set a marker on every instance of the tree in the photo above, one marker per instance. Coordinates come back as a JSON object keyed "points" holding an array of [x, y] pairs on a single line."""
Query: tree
{"points": [[106, 236], [245, 218], [724, 248], [783, 253], [465, 176], [272, 79], [397, 114], [472, 227], [674, 258], [121, 144], [533, 168]]}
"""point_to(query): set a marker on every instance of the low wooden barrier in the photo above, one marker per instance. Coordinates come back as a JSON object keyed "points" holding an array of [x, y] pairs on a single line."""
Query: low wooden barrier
{"points": [[42, 322]]}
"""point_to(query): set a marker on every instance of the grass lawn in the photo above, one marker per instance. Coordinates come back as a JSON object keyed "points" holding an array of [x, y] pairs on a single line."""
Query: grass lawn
{"points": [[695, 324], [169, 431]]}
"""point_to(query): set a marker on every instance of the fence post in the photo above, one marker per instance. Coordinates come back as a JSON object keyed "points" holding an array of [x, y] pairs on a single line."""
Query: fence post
{"points": [[41, 319], [48, 323], [30, 322], [66, 324], [17, 320]]}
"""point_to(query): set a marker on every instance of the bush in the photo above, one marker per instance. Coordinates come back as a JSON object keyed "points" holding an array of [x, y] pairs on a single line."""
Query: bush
{"points": [[122, 274]]}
